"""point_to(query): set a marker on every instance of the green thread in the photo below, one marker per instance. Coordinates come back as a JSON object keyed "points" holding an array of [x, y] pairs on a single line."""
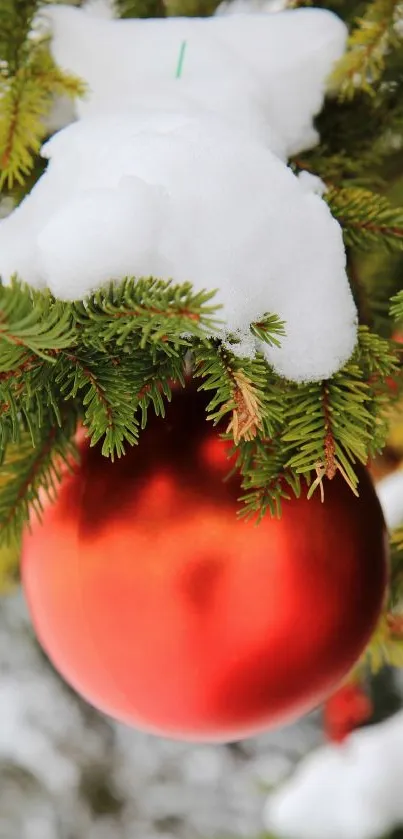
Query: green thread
{"points": [[181, 60]]}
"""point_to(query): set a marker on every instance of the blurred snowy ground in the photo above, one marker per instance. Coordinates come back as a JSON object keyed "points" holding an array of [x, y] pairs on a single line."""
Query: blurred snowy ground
{"points": [[66, 772], [352, 791]]}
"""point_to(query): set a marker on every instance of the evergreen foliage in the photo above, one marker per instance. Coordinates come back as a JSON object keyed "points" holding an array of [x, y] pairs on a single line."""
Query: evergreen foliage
{"points": [[396, 308], [386, 646], [110, 357], [368, 220], [29, 81], [376, 32], [32, 468]]}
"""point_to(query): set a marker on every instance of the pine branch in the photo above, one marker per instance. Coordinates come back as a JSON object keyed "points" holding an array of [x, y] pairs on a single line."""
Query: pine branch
{"points": [[368, 220], [28, 85], [190, 8], [112, 391], [16, 18], [24, 401], [369, 43], [140, 8], [113, 355], [9, 566], [397, 541], [357, 136], [332, 424], [32, 322], [30, 471], [152, 382], [243, 389], [396, 309], [266, 479], [269, 329], [106, 397], [386, 645], [377, 359], [148, 311], [251, 395], [385, 648], [33, 329]]}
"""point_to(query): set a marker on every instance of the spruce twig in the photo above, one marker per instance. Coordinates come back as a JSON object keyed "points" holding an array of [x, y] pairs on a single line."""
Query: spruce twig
{"points": [[31, 470], [29, 81], [370, 41], [368, 220]]}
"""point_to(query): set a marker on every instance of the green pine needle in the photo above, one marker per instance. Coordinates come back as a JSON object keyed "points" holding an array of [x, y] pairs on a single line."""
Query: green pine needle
{"points": [[369, 43], [368, 220], [32, 322], [269, 329], [148, 311], [396, 309], [31, 471]]}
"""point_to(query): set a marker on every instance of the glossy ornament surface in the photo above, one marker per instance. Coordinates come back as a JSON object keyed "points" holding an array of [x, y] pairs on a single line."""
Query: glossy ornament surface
{"points": [[167, 612]]}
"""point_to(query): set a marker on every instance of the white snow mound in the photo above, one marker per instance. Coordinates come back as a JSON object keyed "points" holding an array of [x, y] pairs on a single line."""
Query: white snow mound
{"points": [[185, 178]]}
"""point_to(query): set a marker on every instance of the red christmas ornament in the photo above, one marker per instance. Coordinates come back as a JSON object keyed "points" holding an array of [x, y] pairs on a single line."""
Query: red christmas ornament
{"points": [[165, 611], [347, 708]]}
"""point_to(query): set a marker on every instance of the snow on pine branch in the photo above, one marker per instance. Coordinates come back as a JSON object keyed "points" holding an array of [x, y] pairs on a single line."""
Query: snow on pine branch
{"points": [[177, 168]]}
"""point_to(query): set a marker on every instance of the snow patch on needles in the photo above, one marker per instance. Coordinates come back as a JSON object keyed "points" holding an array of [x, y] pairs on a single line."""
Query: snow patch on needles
{"points": [[100, 8], [231, 7], [352, 790], [186, 178], [390, 494]]}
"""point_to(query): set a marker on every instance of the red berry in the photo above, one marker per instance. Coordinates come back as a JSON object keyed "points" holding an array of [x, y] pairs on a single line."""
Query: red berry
{"points": [[166, 611], [347, 708]]}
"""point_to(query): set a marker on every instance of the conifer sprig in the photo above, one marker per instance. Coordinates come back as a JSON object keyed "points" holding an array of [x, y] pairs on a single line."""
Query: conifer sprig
{"points": [[31, 471], [376, 32], [386, 645], [368, 220], [266, 480], [269, 329], [106, 394], [29, 81], [333, 424], [140, 8], [32, 322], [396, 309], [243, 389], [16, 19], [148, 312]]}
